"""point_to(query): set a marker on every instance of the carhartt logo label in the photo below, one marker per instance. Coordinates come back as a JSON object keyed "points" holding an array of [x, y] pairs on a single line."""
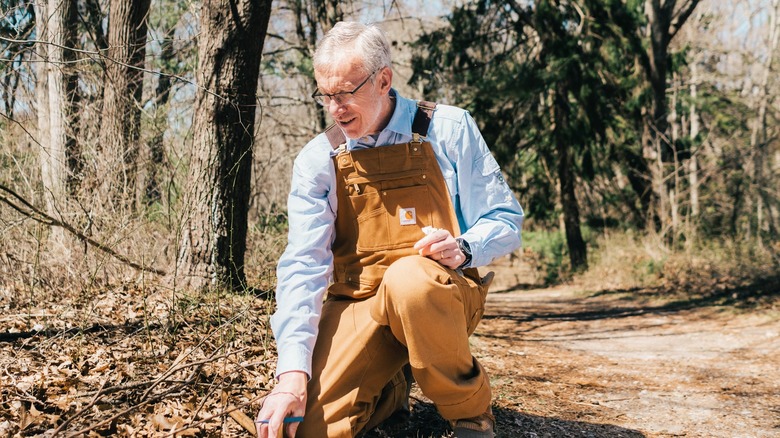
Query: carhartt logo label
{"points": [[408, 216]]}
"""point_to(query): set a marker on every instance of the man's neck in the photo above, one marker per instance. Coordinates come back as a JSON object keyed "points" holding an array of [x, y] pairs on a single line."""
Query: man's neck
{"points": [[388, 108]]}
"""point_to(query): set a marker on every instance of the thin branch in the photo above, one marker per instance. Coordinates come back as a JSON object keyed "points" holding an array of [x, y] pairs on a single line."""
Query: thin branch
{"points": [[92, 53], [681, 17], [122, 413], [41, 217], [228, 411], [82, 410], [32, 137]]}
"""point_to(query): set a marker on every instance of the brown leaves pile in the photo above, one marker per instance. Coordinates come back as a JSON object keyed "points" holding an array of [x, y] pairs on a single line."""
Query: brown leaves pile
{"points": [[132, 362]]}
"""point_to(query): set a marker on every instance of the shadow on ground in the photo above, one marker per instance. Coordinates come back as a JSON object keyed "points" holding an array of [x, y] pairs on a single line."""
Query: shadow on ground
{"points": [[425, 422], [635, 301]]}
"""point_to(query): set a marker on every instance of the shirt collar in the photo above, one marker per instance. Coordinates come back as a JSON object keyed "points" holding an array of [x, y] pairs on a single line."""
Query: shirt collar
{"points": [[401, 121]]}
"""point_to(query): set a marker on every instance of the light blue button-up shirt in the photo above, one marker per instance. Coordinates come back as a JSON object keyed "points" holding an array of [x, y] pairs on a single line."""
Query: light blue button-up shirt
{"points": [[488, 214]]}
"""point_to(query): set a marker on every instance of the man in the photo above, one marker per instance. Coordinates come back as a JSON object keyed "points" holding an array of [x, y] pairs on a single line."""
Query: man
{"points": [[395, 204]]}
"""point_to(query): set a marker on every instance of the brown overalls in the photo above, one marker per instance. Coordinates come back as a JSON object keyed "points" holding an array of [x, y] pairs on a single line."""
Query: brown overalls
{"points": [[388, 306]]}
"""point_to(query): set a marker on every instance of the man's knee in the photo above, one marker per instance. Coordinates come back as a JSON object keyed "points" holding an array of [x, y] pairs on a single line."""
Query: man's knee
{"points": [[412, 277], [411, 271]]}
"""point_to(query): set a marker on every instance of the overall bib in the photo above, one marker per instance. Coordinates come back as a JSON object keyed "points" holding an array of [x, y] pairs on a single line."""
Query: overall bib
{"points": [[388, 306]]}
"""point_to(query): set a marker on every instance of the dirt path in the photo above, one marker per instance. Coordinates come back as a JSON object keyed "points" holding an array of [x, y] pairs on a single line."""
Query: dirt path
{"points": [[701, 372], [570, 363]]}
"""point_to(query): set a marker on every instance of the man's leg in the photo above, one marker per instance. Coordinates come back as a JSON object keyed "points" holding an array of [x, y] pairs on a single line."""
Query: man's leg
{"points": [[432, 310], [356, 362]]}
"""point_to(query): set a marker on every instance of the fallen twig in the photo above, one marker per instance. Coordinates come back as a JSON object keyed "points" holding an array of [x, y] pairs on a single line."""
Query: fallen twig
{"points": [[120, 414], [41, 217], [82, 410], [178, 366], [228, 411]]}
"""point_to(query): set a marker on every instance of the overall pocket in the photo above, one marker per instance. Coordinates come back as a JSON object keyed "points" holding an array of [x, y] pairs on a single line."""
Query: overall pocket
{"points": [[392, 218], [476, 297]]}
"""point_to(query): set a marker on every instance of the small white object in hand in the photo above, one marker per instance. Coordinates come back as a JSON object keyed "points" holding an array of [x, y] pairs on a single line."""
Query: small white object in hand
{"points": [[429, 230]]}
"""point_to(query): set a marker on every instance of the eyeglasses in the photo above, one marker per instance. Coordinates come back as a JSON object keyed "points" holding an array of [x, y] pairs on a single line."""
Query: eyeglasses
{"points": [[342, 98]]}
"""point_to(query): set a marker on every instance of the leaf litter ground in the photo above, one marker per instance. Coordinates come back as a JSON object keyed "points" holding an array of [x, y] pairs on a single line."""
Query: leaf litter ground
{"points": [[564, 362]]}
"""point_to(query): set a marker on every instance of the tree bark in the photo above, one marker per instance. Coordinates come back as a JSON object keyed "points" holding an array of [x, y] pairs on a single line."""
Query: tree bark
{"points": [[578, 255], [59, 156], [51, 159], [215, 224], [154, 152], [674, 189], [120, 124], [693, 165], [72, 97]]}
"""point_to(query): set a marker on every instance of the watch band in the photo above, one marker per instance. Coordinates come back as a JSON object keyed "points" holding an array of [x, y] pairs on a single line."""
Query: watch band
{"points": [[465, 248]]}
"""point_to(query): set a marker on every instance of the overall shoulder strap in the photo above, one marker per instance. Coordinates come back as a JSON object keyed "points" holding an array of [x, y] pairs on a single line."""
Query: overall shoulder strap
{"points": [[422, 119], [335, 136]]}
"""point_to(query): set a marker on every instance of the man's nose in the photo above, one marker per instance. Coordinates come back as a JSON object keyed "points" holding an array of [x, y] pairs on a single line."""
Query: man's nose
{"points": [[335, 107]]}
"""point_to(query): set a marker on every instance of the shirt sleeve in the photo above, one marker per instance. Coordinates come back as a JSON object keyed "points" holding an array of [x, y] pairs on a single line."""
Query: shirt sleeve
{"points": [[305, 267], [490, 211]]}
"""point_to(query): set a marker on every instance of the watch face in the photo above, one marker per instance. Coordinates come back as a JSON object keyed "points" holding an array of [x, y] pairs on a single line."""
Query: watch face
{"points": [[464, 247]]}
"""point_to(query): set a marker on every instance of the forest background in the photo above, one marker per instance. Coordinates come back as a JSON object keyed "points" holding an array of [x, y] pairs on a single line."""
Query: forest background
{"points": [[146, 149]]}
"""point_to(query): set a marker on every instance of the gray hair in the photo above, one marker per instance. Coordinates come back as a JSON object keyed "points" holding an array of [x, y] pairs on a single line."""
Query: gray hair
{"points": [[367, 41]]}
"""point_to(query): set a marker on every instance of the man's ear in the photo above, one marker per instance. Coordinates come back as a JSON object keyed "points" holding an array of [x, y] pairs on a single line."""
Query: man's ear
{"points": [[385, 79]]}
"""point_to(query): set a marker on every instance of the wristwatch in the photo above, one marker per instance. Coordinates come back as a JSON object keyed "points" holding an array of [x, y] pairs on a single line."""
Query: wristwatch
{"points": [[465, 249]]}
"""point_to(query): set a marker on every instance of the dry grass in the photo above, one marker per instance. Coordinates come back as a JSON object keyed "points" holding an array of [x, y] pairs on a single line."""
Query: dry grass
{"points": [[627, 261]]}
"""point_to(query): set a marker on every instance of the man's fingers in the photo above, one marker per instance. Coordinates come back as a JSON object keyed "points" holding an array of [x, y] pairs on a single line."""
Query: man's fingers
{"points": [[291, 429], [276, 423], [430, 239], [432, 236], [451, 258], [271, 416]]}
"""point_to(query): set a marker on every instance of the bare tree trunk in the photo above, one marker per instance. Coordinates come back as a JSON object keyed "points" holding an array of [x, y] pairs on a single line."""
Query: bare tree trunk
{"points": [[693, 165], [758, 136], [655, 119], [72, 97], [121, 120], [51, 159], [94, 21], [154, 152], [639, 177], [10, 74], [55, 88], [665, 19], [652, 146], [578, 254], [674, 190], [312, 16], [215, 225]]}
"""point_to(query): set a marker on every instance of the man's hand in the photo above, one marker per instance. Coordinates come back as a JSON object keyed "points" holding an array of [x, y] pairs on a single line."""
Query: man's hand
{"points": [[439, 245], [288, 399]]}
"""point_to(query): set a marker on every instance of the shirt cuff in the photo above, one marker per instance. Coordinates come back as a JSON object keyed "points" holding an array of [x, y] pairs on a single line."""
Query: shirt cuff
{"points": [[293, 358]]}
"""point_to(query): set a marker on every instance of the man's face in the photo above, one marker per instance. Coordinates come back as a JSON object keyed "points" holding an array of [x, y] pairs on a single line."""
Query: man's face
{"points": [[364, 112]]}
